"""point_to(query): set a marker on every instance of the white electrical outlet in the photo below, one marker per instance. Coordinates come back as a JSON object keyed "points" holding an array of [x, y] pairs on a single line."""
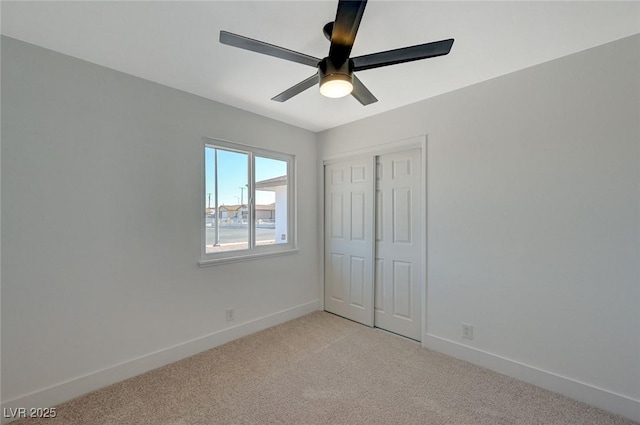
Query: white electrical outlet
{"points": [[230, 315], [467, 331]]}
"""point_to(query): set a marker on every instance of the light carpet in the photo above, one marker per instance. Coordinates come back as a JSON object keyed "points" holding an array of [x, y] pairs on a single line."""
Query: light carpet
{"points": [[322, 369]]}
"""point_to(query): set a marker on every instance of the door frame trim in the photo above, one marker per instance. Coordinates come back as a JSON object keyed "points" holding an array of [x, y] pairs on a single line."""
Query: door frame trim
{"points": [[372, 152]]}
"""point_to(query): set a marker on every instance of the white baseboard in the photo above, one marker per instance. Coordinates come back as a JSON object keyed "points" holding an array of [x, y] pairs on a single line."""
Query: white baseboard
{"points": [[586, 393], [75, 387]]}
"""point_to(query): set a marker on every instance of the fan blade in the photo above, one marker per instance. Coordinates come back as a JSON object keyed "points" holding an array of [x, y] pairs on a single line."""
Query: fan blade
{"points": [[297, 89], [362, 93], [405, 54], [247, 43], [345, 28]]}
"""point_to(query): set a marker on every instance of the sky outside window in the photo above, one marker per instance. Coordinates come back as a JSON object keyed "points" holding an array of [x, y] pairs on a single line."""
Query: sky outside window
{"points": [[233, 174]]}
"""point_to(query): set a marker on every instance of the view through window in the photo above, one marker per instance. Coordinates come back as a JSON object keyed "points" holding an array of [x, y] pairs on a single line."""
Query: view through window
{"points": [[246, 199]]}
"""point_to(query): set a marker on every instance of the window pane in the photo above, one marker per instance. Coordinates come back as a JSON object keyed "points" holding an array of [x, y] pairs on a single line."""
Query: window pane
{"points": [[271, 201], [226, 223]]}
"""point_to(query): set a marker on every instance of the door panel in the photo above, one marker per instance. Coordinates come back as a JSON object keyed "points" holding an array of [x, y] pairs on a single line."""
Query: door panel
{"points": [[349, 243], [373, 241], [399, 253]]}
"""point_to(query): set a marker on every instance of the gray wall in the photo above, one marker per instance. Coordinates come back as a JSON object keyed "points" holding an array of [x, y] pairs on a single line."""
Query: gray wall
{"points": [[533, 217], [101, 195]]}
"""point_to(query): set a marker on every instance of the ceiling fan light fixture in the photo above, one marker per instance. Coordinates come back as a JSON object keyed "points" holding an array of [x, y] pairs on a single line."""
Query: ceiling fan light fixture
{"points": [[335, 81], [336, 71], [336, 85]]}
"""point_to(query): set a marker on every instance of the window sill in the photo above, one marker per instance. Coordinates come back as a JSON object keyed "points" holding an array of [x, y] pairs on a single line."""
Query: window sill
{"points": [[248, 257]]}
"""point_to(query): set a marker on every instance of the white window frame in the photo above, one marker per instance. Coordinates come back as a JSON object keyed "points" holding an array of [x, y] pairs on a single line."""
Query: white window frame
{"points": [[254, 251]]}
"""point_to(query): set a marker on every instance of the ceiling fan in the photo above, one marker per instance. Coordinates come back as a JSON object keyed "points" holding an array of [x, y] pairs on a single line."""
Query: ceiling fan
{"points": [[336, 71]]}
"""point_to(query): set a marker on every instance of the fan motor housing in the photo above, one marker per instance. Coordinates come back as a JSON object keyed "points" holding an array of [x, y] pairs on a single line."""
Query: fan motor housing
{"points": [[328, 71]]}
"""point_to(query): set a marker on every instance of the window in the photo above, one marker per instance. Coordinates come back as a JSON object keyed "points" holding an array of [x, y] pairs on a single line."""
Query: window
{"points": [[248, 202]]}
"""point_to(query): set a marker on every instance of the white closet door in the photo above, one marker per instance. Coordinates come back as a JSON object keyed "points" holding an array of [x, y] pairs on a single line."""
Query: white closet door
{"points": [[349, 240], [399, 256]]}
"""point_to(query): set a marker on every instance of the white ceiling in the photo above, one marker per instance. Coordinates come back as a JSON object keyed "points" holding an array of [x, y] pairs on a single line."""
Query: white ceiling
{"points": [[176, 44]]}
